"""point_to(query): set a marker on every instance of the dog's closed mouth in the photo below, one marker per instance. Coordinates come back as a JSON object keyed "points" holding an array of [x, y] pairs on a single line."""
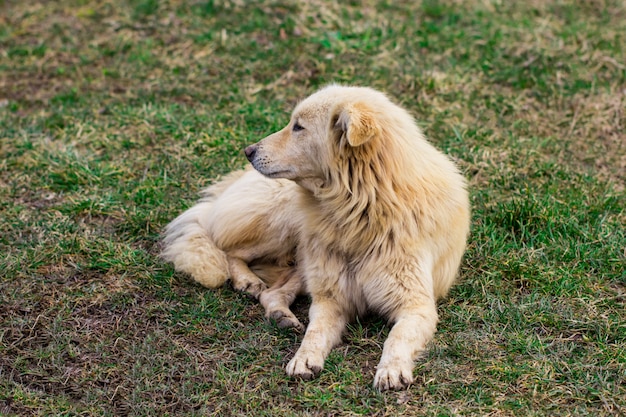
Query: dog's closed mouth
{"points": [[276, 174], [279, 173]]}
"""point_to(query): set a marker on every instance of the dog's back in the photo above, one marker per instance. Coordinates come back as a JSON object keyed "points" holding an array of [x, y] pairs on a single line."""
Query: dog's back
{"points": [[244, 215]]}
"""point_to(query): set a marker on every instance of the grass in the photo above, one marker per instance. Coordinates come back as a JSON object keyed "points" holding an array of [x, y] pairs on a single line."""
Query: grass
{"points": [[113, 115]]}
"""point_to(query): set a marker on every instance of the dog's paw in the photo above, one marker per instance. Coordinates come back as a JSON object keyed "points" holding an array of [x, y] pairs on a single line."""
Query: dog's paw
{"points": [[250, 287], [305, 366], [285, 320], [393, 377]]}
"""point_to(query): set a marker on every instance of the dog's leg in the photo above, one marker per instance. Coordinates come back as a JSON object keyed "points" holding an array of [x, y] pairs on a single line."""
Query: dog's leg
{"points": [[327, 321], [414, 327], [243, 279], [277, 299]]}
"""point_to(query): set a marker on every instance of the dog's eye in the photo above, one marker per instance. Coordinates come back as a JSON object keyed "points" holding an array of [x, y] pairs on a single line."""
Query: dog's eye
{"points": [[297, 127]]}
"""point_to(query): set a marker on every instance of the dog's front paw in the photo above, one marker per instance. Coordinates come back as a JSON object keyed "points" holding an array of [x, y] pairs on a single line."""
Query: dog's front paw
{"points": [[393, 377], [286, 319], [305, 366]]}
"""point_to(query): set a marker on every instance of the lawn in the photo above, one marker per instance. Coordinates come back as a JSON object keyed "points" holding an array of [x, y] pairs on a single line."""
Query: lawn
{"points": [[114, 115]]}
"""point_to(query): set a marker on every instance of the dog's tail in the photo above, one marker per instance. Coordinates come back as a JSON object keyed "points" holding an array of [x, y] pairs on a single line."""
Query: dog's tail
{"points": [[191, 250], [188, 245]]}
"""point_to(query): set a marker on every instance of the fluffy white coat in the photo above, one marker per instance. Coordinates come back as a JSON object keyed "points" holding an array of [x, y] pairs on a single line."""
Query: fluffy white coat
{"points": [[353, 207]]}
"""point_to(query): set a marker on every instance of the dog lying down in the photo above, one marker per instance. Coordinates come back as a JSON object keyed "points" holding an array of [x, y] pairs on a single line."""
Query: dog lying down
{"points": [[348, 203]]}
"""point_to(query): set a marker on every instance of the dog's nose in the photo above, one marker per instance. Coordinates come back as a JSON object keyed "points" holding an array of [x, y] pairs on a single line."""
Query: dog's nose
{"points": [[250, 151]]}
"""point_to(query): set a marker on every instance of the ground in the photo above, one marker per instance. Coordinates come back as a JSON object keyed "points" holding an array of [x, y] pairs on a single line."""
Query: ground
{"points": [[115, 114]]}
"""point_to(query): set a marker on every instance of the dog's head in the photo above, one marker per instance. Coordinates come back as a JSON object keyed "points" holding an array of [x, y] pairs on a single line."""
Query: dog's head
{"points": [[329, 125]]}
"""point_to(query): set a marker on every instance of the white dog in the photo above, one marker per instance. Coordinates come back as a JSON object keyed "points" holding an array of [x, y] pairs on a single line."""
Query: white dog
{"points": [[353, 207]]}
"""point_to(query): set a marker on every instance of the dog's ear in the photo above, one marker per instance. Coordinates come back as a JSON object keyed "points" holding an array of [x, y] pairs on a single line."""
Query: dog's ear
{"points": [[357, 122]]}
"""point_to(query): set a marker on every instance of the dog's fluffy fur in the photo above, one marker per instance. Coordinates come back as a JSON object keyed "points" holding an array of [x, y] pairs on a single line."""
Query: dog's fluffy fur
{"points": [[350, 204]]}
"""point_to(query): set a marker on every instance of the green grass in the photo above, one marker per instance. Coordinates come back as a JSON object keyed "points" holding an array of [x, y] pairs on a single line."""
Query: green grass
{"points": [[113, 115]]}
